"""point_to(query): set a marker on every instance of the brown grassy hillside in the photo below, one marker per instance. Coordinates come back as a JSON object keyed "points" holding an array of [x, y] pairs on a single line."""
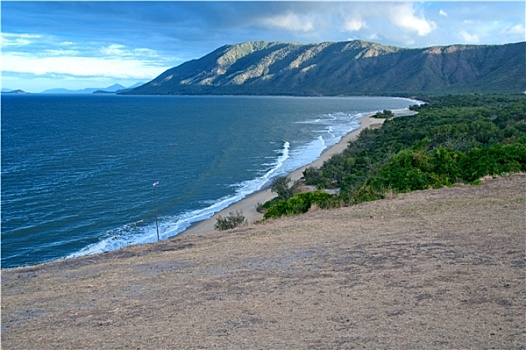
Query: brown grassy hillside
{"points": [[437, 269]]}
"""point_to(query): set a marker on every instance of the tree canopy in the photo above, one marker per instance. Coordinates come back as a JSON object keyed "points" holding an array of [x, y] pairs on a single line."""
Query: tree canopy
{"points": [[452, 139]]}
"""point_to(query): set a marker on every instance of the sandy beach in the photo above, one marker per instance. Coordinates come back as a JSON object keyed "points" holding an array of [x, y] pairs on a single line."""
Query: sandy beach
{"points": [[248, 205]]}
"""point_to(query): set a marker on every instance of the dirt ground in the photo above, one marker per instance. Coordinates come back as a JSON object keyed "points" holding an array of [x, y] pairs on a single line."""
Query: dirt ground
{"points": [[437, 269]]}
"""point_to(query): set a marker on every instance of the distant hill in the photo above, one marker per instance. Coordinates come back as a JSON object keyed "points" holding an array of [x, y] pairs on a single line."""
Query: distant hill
{"points": [[345, 68], [112, 88], [105, 92], [117, 89], [129, 88], [8, 91]]}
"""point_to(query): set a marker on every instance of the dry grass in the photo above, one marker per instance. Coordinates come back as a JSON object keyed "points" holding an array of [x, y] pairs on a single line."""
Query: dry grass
{"points": [[438, 269]]}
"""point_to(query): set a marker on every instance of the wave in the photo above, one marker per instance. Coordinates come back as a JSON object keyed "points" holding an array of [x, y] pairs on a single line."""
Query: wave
{"points": [[290, 158], [132, 234]]}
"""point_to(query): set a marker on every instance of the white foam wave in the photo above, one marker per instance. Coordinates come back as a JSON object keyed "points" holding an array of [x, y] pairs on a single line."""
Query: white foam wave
{"points": [[171, 226]]}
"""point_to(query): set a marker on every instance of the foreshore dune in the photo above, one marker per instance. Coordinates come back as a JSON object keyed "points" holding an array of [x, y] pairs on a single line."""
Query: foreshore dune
{"points": [[248, 205]]}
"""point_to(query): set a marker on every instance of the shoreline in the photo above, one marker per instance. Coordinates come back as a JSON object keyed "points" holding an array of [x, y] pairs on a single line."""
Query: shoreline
{"points": [[248, 204]]}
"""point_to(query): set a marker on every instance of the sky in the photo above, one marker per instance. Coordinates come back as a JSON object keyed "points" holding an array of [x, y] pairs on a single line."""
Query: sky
{"points": [[80, 44]]}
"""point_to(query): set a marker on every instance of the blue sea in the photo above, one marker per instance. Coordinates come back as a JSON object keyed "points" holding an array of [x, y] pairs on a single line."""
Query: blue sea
{"points": [[77, 170]]}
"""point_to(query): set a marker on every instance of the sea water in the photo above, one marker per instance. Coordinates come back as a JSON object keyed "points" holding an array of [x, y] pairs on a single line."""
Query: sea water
{"points": [[77, 170]]}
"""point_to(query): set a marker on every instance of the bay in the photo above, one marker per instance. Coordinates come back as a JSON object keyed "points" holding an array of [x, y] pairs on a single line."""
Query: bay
{"points": [[77, 170]]}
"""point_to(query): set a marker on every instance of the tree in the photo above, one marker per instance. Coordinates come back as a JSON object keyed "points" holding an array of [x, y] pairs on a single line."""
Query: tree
{"points": [[281, 187], [385, 114]]}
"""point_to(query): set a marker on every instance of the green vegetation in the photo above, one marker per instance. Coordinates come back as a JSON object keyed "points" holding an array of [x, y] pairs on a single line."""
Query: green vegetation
{"points": [[233, 220], [452, 139], [385, 114], [301, 203], [281, 186]]}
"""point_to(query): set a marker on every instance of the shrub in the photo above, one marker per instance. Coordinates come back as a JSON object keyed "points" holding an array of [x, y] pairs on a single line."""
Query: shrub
{"points": [[231, 221], [300, 203], [277, 210], [446, 163], [409, 170], [260, 208], [494, 160]]}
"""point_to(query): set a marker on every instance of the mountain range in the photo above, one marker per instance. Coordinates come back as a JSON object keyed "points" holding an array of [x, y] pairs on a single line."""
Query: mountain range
{"points": [[110, 89], [345, 68]]}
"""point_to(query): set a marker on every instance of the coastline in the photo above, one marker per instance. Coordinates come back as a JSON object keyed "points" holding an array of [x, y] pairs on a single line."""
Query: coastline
{"points": [[248, 204]]}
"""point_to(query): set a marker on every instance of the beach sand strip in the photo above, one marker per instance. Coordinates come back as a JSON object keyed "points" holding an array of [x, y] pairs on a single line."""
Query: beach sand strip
{"points": [[247, 206]]}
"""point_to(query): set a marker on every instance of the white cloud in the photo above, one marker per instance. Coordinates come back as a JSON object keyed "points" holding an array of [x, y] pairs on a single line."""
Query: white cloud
{"points": [[517, 29], [121, 51], [470, 38], [410, 42], [44, 57], [60, 52], [442, 13], [80, 66], [142, 52], [290, 21], [355, 24], [113, 50], [10, 39], [403, 15]]}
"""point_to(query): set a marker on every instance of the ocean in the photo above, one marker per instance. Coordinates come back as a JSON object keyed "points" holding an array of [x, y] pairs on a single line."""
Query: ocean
{"points": [[77, 170]]}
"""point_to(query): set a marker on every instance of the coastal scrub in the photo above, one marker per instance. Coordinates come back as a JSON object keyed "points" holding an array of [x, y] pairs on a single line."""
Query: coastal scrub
{"points": [[451, 140]]}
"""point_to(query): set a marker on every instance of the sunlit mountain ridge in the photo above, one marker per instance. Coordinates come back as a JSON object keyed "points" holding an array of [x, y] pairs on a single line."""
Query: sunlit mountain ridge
{"points": [[345, 68]]}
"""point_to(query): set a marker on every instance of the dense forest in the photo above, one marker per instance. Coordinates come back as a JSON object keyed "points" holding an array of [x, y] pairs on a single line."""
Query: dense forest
{"points": [[452, 139]]}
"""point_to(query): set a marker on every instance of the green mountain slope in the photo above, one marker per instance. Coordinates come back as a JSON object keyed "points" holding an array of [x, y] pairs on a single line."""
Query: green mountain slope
{"points": [[346, 68]]}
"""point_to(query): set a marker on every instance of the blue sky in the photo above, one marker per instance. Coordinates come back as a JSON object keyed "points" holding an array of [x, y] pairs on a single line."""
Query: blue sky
{"points": [[96, 44]]}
